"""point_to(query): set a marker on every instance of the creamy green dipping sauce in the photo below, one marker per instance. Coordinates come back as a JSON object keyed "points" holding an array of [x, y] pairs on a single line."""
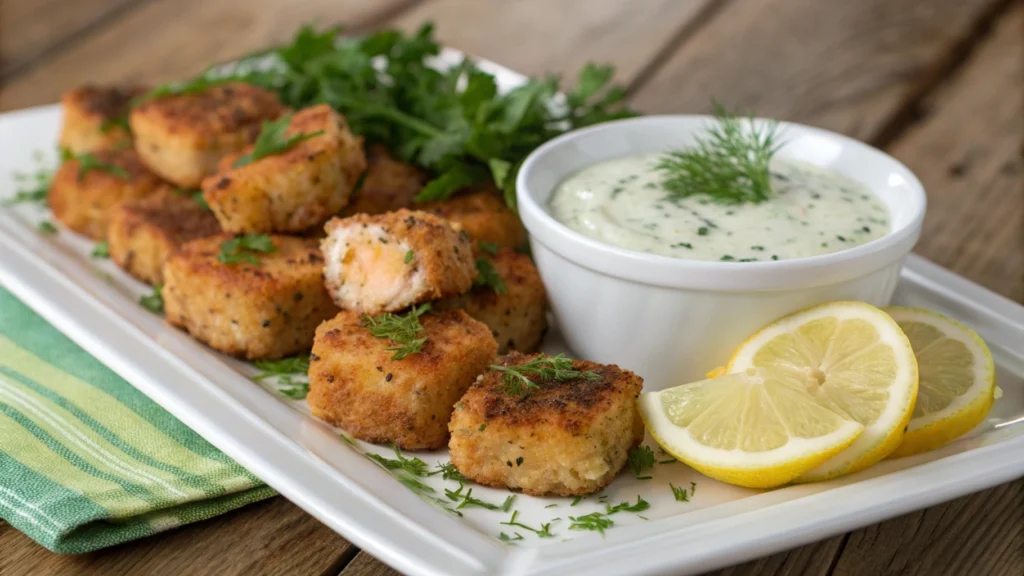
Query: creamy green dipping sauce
{"points": [[815, 211]]}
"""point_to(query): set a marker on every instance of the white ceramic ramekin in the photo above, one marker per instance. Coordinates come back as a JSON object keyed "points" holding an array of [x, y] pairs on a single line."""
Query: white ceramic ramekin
{"points": [[671, 320]]}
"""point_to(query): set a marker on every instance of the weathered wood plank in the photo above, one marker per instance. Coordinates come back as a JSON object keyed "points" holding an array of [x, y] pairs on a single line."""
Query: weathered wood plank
{"points": [[271, 537], [167, 39], [366, 565], [539, 36], [979, 534], [29, 28], [845, 66], [967, 152]]}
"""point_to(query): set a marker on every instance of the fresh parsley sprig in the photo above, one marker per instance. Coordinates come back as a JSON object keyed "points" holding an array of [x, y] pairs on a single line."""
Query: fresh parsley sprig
{"points": [[518, 380], [487, 275], [154, 302], [451, 122], [272, 140], [87, 161], [729, 164], [245, 249], [401, 329]]}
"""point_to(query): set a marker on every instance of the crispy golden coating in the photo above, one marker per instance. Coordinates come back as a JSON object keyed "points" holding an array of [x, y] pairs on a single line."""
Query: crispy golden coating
{"points": [[516, 318], [390, 261], [181, 137], [389, 185], [88, 112], [482, 213], [565, 439], [295, 190], [144, 233], [83, 201], [356, 385], [270, 310]]}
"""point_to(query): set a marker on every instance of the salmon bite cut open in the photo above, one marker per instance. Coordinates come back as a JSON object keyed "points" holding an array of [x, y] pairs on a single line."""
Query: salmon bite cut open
{"points": [[388, 262]]}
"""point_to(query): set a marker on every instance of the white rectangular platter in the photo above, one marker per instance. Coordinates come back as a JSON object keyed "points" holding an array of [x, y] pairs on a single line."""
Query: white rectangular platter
{"points": [[95, 304]]}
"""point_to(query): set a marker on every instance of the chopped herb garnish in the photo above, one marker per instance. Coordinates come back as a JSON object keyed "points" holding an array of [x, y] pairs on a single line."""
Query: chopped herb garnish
{"points": [[489, 247], [683, 245], [595, 522], [272, 140], [245, 249], [702, 231], [401, 329], [727, 258], [155, 301], [448, 471], [729, 164], [294, 389], [47, 227], [681, 494], [551, 506], [33, 187], [101, 250], [488, 276], [505, 537], [518, 379], [576, 500], [640, 458], [543, 532], [293, 365], [413, 465], [409, 255], [468, 500], [640, 506], [88, 161]]}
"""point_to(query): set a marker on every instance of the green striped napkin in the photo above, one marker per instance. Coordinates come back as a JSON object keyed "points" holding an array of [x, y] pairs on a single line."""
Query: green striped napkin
{"points": [[86, 460]]}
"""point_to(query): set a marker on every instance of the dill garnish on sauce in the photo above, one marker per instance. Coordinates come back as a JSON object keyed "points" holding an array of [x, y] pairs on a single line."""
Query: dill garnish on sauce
{"points": [[728, 164]]}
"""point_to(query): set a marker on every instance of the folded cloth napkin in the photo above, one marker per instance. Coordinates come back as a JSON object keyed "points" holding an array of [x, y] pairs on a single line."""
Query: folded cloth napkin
{"points": [[86, 460]]}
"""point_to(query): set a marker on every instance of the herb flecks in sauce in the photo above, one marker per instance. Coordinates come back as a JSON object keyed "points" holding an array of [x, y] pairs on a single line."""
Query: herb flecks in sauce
{"points": [[694, 228]]}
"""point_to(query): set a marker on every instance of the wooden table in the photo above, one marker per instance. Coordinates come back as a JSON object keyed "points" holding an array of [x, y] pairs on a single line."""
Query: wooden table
{"points": [[937, 83]]}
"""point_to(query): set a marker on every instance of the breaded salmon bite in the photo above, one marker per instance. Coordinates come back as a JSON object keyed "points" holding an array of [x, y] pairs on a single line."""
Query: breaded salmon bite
{"points": [[86, 188], [181, 137], [93, 117], [255, 297], [509, 299], [555, 437], [293, 189], [389, 184], [483, 214], [380, 390], [390, 261], [144, 233]]}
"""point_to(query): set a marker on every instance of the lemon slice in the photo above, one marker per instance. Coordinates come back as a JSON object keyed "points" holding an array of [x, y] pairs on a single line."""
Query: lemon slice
{"points": [[759, 428], [853, 359], [957, 379]]}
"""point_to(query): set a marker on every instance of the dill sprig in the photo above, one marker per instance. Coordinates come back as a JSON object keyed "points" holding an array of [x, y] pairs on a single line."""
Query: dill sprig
{"points": [[243, 249], [487, 275], [543, 532], [641, 458], [401, 329], [681, 494], [155, 301], [34, 187], [413, 465], [468, 499], [517, 380], [729, 164], [600, 521], [448, 471]]}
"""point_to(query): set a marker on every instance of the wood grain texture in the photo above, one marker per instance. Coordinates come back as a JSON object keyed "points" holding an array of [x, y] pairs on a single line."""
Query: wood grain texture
{"points": [[270, 537], [967, 151], [539, 36], [978, 534], [29, 28], [366, 565], [168, 39], [845, 66]]}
